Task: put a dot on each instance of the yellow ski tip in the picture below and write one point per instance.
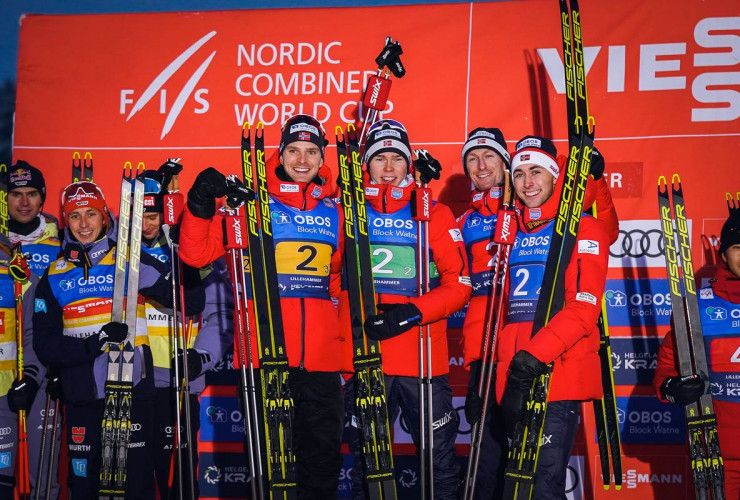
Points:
(676, 179)
(617, 487)
(351, 127)
(662, 181)
(338, 130)
(246, 125)
(76, 155)
(140, 167)
(88, 155)
(260, 126)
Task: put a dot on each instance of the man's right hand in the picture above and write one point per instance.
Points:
(683, 390)
(208, 185)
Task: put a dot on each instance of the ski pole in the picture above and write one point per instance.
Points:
(379, 85)
(504, 236)
(50, 466)
(19, 270)
(173, 198)
(422, 205)
(42, 451)
(235, 244)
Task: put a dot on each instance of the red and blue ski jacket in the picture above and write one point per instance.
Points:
(393, 236)
(313, 340)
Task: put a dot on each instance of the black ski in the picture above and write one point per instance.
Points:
(706, 460)
(370, 401)
(82, 169)
(524, 449)
(277, 402)
(116, 425)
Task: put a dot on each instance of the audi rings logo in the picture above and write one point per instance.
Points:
(135, 427)
(638, 243)
(5, 431)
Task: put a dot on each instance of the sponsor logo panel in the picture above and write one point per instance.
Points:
(639, 244)
(221, 419)
(634, 359)
(223, 475)
(638, 302)
(646, 420)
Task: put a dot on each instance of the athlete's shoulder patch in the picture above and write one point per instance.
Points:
(586, 297)
(465, 280)
(588, 246)
(456, 235)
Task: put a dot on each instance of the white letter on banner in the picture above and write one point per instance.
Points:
(554, 65)
(650, 66)
(704, 38)
(701, 92)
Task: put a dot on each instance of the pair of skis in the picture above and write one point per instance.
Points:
(524, 449)
(82, 167)
(116, 425)
(277, 402)
(504, 236)
(370, 399)
(706, 460)
(179, 340)
(19, 272)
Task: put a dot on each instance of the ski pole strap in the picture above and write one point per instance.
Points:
(18, 267)
(234, 225)
(421, 204)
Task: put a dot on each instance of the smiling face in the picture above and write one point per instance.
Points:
(533, 184)
(388, 168)
(485, 168)
(301, 160)
(24, 204)
(85, 224)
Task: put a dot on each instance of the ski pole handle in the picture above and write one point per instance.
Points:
(235, 224)
(376, 92)
(173, 207)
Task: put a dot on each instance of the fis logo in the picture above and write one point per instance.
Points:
(157, 86)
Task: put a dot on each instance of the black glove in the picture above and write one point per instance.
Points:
(114, 332)
(169, 169)
(683, 390)
(597, 164)
(209, 185)
(523, 370)
(195, 362)
(473, 402)
(54, 386)
(394, 319)
(21, 394)
(236, 192)
(427, 166)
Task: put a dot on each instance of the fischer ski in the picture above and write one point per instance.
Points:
(504, 236)
(277, 401)
(82, 169)
(706, 460)
(370, 398)
(524, 448)
(116, 425)
(733, 204)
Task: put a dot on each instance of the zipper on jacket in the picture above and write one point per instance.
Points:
(303, 333)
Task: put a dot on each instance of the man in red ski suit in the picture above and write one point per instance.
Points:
(389, 184)
(301, 189)
(571, 339)
(484, 159)
(719, 306)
